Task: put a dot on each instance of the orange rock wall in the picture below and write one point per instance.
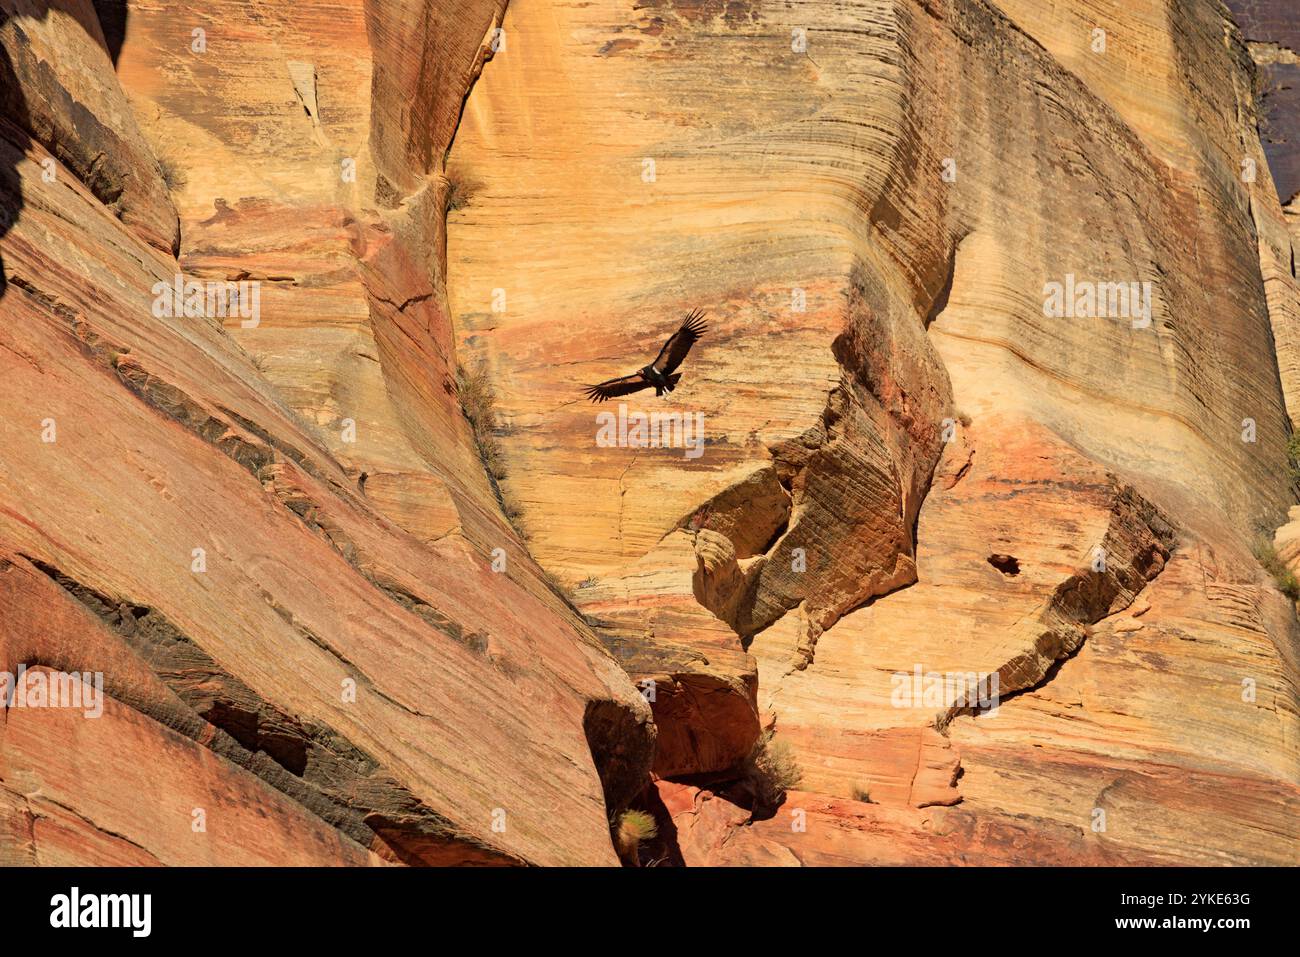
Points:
(328, 634)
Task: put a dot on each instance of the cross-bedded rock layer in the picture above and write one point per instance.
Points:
(910, 463)
(313, 592)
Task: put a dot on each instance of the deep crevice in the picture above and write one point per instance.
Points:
(310, 763)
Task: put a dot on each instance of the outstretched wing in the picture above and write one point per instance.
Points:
(616, 387)
(675, 349)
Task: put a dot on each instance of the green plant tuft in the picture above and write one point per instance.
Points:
(1272, 563)
(633, 828)
(1293, 457)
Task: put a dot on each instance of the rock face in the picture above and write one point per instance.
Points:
(1272, 32)
(56, 86)
(872, 201)
(312, 673)
(963, 500)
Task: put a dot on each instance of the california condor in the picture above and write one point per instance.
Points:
(662, 373)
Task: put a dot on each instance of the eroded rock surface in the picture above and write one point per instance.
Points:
(186, 500)
(313, 591)
(976, 486)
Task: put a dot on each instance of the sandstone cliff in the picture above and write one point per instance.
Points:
(275, 542)
(347, 614)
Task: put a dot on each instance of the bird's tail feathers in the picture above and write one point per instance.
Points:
(672, 384)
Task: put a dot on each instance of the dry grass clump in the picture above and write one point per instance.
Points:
(173, 176)
(771, 770)
(460, 190)
(1283, 577)
(635, 827)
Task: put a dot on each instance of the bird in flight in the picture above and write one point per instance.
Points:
(662, 373)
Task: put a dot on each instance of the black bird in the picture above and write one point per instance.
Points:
(662, 373)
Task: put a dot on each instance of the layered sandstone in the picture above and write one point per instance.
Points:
(274, 538)
(976, 487)
(332, 634)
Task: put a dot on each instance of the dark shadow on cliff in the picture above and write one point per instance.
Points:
(112, 21)
(15, 116)
(14, 140)
(664, 849)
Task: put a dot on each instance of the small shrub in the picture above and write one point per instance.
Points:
(1293, 457)
(633, 828)
(637, 826)
(460, 190)
(510, 508)
(1264, 94)
(964, 419)
(557, 587)
(700, 518)
(1283, 577)
(478, 402)
(771, 770)
(173, 176)
(862, 794)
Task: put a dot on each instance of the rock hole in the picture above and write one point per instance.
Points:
(1007, 564)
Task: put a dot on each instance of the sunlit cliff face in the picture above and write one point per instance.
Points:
(963, 534)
